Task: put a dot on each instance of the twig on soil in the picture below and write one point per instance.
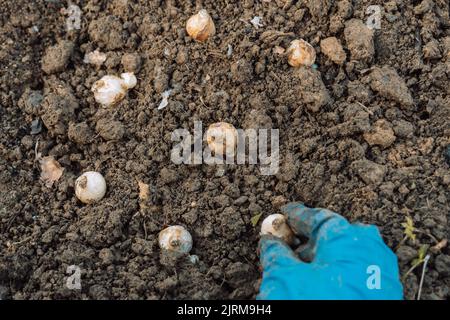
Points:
(365, 108)
(216, 53)
(166, 219)
(223, 281)
(425, 262)
(414, 266)
(36, 146)
(287, 4)
(10, 221)
(145, 229)
(201, 100)
(364, 71)
(21, 241)
(242, 20)
(429, 235)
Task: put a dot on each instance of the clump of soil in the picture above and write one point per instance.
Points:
(365, 132)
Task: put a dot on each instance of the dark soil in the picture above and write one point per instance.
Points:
(367, 137)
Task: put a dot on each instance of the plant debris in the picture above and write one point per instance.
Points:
(165, 99)
(255, 219)
(51, 170)
(256, 22)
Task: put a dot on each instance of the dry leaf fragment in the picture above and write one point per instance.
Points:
(255, 219)
(439, 246)
(51, 170)
(144, 190)
(279, 50)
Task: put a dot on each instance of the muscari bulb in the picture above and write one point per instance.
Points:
(276, 225)
(222, 138)
(301, 53)
(200, 26)
(90, 187)
(175, 238)
(109, 90)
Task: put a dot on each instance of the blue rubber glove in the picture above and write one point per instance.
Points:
(345, 261)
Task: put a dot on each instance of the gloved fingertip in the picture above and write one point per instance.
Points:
(292, 207)
(275, 252)
(266, 240)
(306, 252)
(304, 221)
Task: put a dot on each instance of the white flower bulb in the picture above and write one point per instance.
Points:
(200, 26)
(129, 79)
(175, 238)
(301, 53)
(90, 187)
(276, 225)
(110, 90)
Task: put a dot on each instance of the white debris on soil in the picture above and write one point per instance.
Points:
(194, 259)
(73, 21)
(95, 58)
(256, 22)
(166, 52)
(229, 51)
(165, 96)
(36, 126)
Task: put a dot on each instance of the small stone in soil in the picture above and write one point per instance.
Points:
(110, 129)
(359, 40)
(447, 154)
(131, 62)
(381, 134)
(390, 85)
(30, 101)
(370, 172)
(36, 126)
(57, 57)
(332, 48)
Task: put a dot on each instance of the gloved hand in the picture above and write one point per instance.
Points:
(346, 261)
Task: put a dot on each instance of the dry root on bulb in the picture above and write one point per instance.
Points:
(110, 90)
(222, 138)
(276, 225)
(90, 187)
(175, 238)
(200, 26)
(301, 53)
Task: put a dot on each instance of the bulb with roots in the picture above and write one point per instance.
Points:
(276, 225)
(175, 238)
